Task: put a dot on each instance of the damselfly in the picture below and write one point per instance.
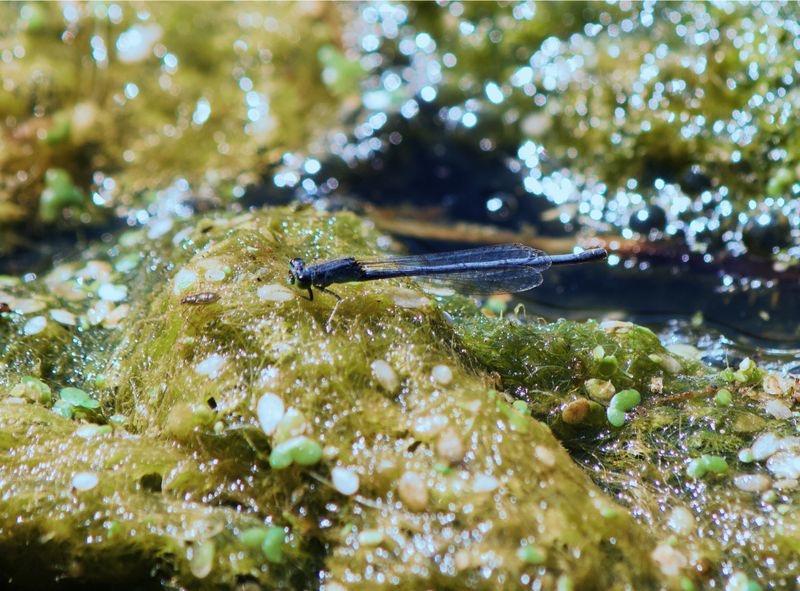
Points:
(490, 269)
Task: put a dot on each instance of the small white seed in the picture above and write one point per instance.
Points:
(345, 481)
(270, 411)
(449, 447)
(442, 374)
(413, 491)
(385, 375)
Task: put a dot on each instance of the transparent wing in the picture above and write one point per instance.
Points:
(502, 254)
(487, 282)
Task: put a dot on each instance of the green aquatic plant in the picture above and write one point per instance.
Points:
(259, 436)
(698, 455)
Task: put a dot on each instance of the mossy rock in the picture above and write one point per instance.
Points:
(463, 458)
(454, 490)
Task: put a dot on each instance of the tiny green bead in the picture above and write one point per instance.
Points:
(280, 457)
(607, 366)
(746, 456)
(598, 353)
(306, 452)
(57, 179)
(615, 416)
(695, 469)
(715, 464)
(698, 467)
(726, 375)
(273, 543)
(723, 397)
(626, 399)
(253, 537)
(531, 554)
(687, 584)
(496, 305)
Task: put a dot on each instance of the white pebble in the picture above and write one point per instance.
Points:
(484, 483)
(34, 326)
(385, 375)
(435, 290)
(681, 521)
(778, 409)
(442, 374)
(752, 482)
(26, 305)
(784, 464)
(63, 317)
(84, 480)
(274, 292)
(765, 445)
(545, 455)
(785, 484)
(345, 481)
(98, 312)
(406, 298)
(776, 385)
(183, 280)
(112, 293)
(670, 560)
(270, 411)
(211, 366)
(157, 227)
(215, 274)
(413, 491)
(684, 350)
(449, 447)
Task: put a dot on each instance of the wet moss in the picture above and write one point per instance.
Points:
(181, 384)
(718, 481)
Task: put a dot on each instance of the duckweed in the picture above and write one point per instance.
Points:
(298, 450)
(625, 400)
(78, 398)
(701, 466)
(273, 544)
(253, 537)
(430, 449)
(615, 416)
(723, 397)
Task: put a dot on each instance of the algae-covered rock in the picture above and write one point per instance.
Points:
(709, 460)
(242, 433)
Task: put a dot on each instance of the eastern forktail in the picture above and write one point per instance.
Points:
(490, 269)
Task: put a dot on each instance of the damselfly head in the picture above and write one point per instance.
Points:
(298, 273)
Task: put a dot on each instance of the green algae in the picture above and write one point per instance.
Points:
(461, 481)
(697, 457)
(185, 501)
